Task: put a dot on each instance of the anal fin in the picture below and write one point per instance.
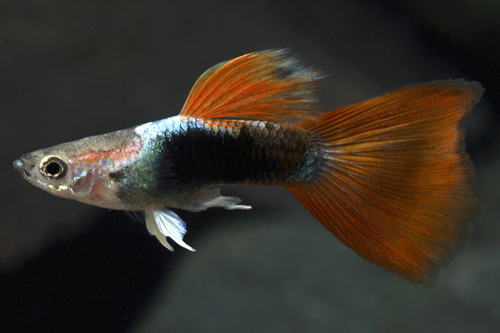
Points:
(165, 223)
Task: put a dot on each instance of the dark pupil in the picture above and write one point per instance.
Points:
(53, 168)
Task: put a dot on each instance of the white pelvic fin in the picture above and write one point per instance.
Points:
(165, 223)
(210, 197)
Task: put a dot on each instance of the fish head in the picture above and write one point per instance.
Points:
(80, 169)
(57, 172)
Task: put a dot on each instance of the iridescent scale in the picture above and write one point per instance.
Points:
(191, 152)
(242, 152)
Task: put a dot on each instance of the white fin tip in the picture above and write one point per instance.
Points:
(165, 223)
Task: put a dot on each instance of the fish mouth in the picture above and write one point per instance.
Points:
(19, 166)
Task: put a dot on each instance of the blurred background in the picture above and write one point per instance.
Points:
(70, 69)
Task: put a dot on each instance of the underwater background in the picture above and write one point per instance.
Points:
(73, 69)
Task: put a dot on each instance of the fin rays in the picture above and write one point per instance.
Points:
(165, 223)
(267, 85)
(395, 184)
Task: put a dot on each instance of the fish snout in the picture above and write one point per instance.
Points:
(17, 164)
(21, 167)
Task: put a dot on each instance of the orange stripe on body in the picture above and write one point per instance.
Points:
(118, 156)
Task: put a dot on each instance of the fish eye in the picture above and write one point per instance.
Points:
(53, 167)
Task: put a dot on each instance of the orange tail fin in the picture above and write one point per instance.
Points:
(396, 184)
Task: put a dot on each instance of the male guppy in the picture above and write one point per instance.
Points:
(389, 176)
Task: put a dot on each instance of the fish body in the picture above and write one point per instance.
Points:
(389, 176)
(181, 155)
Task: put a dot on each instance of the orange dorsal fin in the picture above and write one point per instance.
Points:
(395, 184)
(267, 85)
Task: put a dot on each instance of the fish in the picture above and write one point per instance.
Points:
(389, 177)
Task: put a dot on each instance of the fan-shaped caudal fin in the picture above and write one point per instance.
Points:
(395, 184)
(268, 85)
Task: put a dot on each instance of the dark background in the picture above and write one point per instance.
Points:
(70, 69)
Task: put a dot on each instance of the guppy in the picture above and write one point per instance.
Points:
(388, 176)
